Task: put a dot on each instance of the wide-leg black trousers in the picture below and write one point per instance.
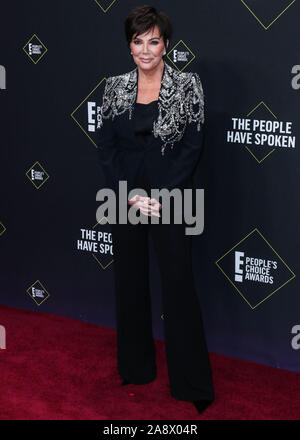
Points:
(189, 369)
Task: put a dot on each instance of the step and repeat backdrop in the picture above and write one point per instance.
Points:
(55, 257)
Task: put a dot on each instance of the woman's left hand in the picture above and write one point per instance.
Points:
(151, 207)
(146, 205)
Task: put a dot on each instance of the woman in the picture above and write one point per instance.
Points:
(150, 136)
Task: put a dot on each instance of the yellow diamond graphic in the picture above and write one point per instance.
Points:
(36, 292)
(31, 171)
(2, 228)
(79, 115)
(266, 27)
(34, 41)
(104, 221)
(253, 297)
(105, 4)
(173, 48)
(253, 110)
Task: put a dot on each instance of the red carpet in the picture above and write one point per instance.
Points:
(59, 368)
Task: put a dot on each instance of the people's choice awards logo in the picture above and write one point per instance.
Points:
(35, 49)
(180, 55)
(37, 175)
(38, 292)
(87, 113)
(255, 269)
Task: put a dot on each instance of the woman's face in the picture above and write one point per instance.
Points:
(147, 49)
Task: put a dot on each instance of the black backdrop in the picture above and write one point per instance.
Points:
(54, 58)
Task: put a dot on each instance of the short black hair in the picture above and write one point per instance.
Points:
(143, 18)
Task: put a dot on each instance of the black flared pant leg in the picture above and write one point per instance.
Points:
(189, 368)
(135, 343)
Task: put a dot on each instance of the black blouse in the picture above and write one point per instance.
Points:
(143, 118)
(144, 115)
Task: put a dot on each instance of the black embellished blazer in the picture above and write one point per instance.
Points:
(170, 158)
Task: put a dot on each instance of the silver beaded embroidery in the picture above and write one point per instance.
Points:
(180, 101)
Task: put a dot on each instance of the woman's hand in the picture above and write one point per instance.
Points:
(146, 205)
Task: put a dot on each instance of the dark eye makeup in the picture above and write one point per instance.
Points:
(152, 42)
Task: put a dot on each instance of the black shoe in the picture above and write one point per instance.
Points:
(201, 405)
(125, 382)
